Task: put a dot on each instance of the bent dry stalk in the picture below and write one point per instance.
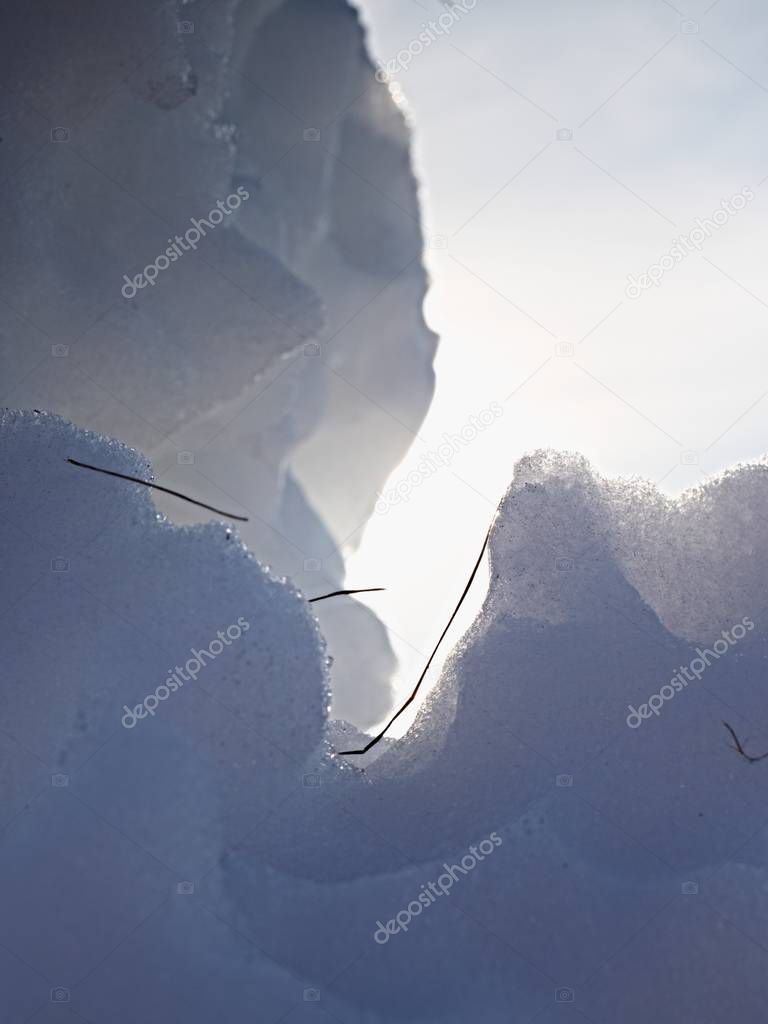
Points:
(346, 593)
(158, 487)
(751, 758)
(380, 735)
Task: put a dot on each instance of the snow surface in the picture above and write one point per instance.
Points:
(216, 862)
(212, 360)
(294, 855)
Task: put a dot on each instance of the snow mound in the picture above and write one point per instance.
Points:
(611, 824)
(526, 845)
(241, 161)
(161, 693)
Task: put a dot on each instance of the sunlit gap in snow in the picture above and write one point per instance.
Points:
(434, 510)
(530, 242)
(424, 537)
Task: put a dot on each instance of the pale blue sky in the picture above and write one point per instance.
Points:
(667, 106)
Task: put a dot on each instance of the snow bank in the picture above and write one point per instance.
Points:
(106, 816)
(520, 849)
(266, 353)
(622, 847)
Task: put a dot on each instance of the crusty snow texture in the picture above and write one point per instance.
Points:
(255, 368)
(216, 863)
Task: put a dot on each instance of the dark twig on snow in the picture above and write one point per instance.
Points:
(380, 735)
(343, 593)
(740, 750)
(157, 487)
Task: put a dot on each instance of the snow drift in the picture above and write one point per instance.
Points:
(216, 860)
(255, 367)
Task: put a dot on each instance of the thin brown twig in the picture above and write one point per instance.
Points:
(380, 735)
(343, 593)
(740, 749)
(157, 487)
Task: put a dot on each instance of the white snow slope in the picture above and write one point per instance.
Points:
(255, 367)
(521, 855)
